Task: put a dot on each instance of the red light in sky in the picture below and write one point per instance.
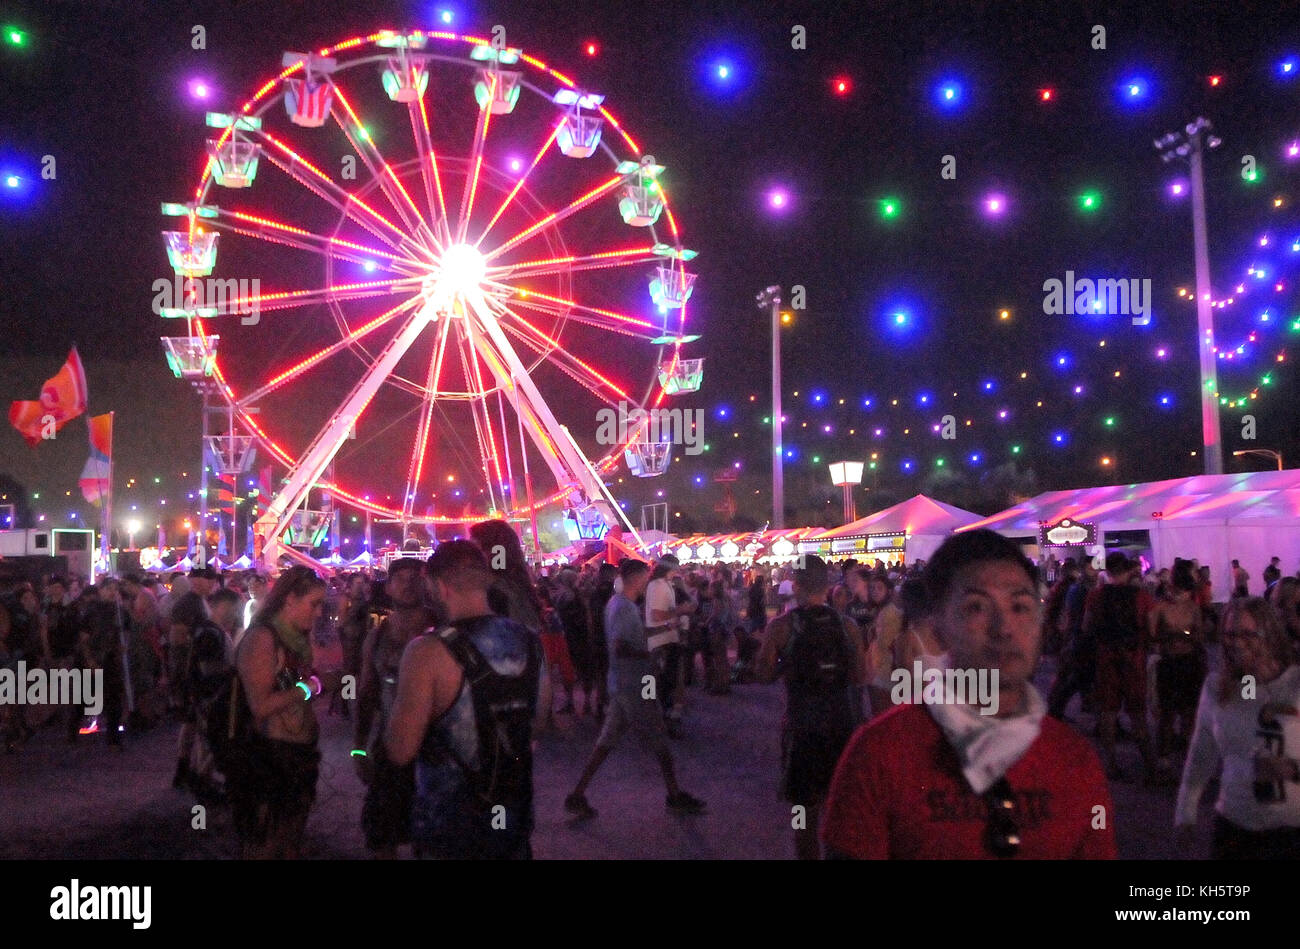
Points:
(1215, 80)
(1046, 95)
(842, 85)
(592, 49)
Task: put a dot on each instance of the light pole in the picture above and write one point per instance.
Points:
(132, 528)
(1190, 143)
(847, 475)
(1266, 452)
(771, 297)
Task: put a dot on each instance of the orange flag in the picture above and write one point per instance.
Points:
(63, 398)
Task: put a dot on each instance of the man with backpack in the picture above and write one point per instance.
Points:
(1115, 617)
(819, 654)
(464, 712)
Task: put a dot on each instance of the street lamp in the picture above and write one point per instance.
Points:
(132, 528)
(1189, 143)
(847, 475)
(1266, 452)
(771, 298)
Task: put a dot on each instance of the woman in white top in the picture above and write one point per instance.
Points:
(1247, 722)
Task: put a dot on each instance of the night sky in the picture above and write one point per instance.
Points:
(101, 86)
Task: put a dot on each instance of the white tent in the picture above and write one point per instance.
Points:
(1214, 519)
(918, 526)
(363, 559)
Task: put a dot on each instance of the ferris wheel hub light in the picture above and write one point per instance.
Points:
(462, 268)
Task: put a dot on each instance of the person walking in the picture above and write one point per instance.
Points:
(633, 703)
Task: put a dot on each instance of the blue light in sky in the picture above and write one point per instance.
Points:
(1135, 90)
(949, 94)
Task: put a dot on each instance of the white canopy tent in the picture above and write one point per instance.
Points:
(921, 524)
(1214, 519)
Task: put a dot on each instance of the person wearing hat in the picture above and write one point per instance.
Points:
(1115, 615)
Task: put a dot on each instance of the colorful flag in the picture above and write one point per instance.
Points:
(94, 476)
(308, 103)
(63, 398)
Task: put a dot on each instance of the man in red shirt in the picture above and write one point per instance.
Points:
(945, 779)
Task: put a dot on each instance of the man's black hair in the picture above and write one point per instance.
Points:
(631, 567)
(811, 576)
(460, 562)
(963, 550)
(406, 563)
(222, 595)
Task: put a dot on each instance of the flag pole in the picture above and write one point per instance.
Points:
(123, 632)
(105, 540)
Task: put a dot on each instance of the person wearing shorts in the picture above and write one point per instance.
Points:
(633, 704)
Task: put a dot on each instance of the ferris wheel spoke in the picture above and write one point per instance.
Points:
(545, 351)
(477, 403)
(289, 299)
(318, 357)
(482, 404)
(475, 165)
(578, 203)
(416, 467)
(532, 297)
(513, 193)
(385, 177)
(551, 348)
(276, 233)
(321, 185)
(429, 172)
(647, 336)
(556, 265)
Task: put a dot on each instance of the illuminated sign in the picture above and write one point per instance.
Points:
(1067, 533)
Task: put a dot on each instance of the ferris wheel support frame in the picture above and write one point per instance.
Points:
(565, 460)
(275, 519)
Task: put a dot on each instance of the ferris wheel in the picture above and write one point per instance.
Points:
(433, 283)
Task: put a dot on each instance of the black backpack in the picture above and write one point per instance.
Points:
(1115, 618)
(227, 720)
(504, 707)
(816, 660)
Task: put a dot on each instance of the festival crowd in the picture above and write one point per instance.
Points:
(452, 665)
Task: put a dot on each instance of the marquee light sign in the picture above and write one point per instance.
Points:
(1067, 533)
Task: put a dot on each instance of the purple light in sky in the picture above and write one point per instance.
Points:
(995, 205)
(199, 89)
(778, 199)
